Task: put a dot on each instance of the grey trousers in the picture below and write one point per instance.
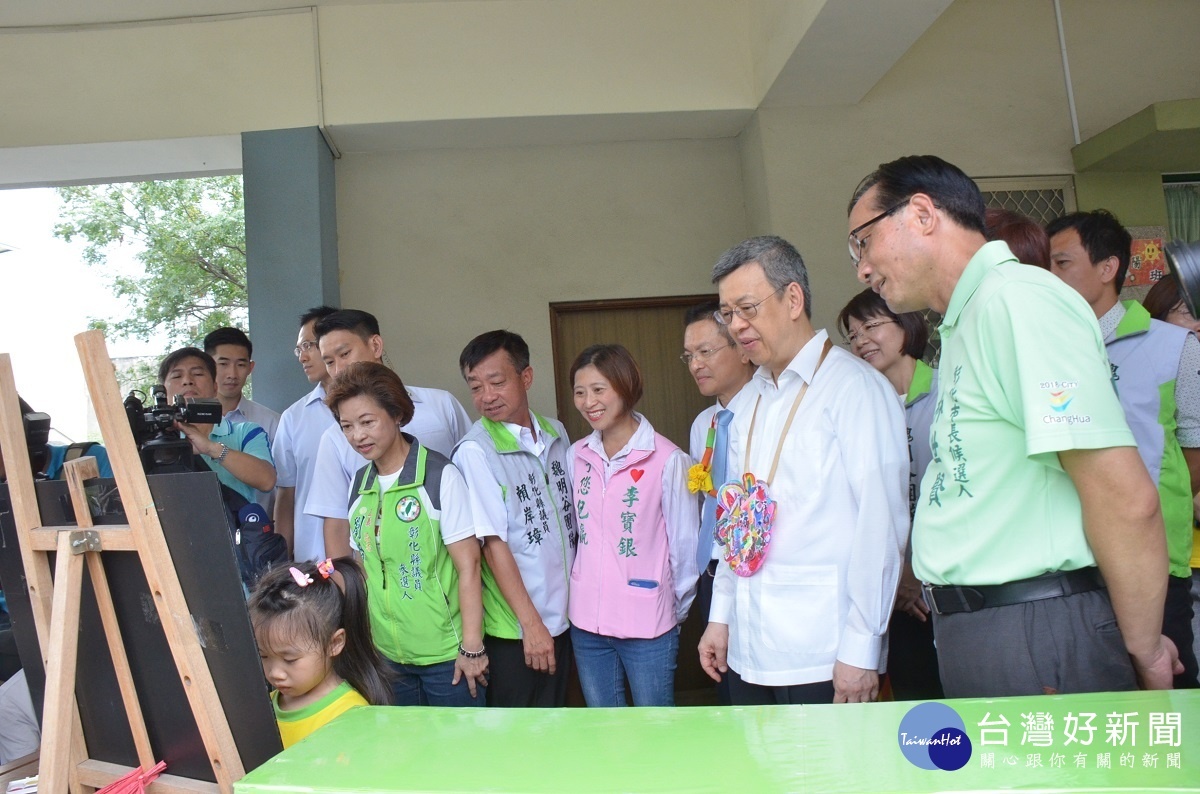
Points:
(1059, 645)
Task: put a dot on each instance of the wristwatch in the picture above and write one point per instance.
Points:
(224, 452)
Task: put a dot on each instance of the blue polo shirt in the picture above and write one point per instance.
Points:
(244, 437)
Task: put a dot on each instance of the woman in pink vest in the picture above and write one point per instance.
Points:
(634, 575)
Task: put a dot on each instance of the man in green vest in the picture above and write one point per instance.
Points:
(1156, 371)
(515, 464)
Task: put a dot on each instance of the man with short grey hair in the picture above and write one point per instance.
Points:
(800, 610)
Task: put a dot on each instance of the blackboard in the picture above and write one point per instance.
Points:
(193, 521)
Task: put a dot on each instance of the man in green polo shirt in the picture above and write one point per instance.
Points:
(1036, 487)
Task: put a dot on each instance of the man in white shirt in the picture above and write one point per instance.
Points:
(515, 463)
(295, 444)
(721, 369)
(438, 422)
(826, 433)
(232, 350)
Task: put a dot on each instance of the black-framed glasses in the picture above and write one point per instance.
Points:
(865, 328)
(703, 354)
(747, 311)
(856, 243)
(303, 347)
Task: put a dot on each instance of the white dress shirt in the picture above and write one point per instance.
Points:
(826, 588)
(438, 422)
(249, 411)
(295, 451)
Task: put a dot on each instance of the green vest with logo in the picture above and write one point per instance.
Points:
(412, 585)
(1144, 355)
(541, 524)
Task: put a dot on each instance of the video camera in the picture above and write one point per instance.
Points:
(159, 444)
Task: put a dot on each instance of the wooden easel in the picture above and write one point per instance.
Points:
(64, 761)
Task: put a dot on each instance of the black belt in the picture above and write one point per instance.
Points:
(948, 599)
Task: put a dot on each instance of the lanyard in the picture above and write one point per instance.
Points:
(787, 425)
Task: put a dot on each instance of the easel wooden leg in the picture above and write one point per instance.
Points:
(77, 472)
(58, 711)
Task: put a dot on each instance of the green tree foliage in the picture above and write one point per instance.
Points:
(191, 239)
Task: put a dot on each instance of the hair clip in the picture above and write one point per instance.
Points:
(302, 579)
(325, 568)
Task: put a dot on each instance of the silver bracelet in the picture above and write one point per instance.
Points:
(224, 452)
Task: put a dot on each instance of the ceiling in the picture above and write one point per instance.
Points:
(789, 53)
(40, 13)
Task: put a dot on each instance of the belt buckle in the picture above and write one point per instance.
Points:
(930, 601)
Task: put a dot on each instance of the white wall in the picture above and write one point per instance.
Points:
(444, 245)
(983, 88)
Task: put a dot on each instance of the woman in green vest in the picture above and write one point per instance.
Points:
(410, 521)
(893, 344)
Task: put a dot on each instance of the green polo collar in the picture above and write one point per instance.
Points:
(985, 259)
(922, 382)
(1135, 321)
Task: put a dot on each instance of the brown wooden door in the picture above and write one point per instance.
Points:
(652, 330)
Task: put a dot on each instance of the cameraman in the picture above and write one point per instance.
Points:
(238, 452)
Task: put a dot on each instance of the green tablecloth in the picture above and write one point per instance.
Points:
(1141, 741)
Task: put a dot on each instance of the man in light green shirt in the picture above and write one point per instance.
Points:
(1036, 487)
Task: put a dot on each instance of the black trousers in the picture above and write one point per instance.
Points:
(701, 606)
(746, 694)
(513, 684)
(1177, 624)
(912, 659)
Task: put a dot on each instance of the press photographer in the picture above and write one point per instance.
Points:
(239, 452)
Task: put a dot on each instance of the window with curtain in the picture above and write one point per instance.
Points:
(1183, 211)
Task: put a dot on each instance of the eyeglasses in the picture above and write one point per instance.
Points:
(747, 311)
(853, 336)
(303, 347)
(702, 355)
(858, 244)
(1180, 310)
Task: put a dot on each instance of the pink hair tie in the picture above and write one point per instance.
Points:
(325, 568)
(302, 579)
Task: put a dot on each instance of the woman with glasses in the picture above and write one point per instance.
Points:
(893, 344)
(634, 574)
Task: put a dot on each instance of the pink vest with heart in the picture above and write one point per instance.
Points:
(621, 583)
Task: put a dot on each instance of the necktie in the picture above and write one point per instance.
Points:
(708, 519)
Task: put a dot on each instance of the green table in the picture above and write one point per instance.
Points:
(1150, 741)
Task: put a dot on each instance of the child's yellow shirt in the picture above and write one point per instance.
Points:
(295, 725)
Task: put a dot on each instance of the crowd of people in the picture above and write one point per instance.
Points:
(1017, 521)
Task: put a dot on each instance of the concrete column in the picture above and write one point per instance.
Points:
(291, 250)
